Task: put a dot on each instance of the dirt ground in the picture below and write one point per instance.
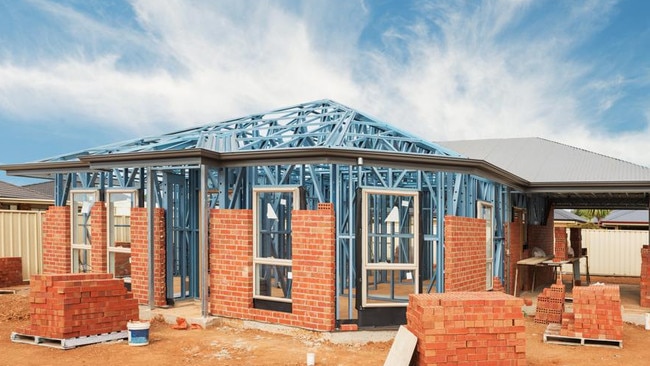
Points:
(233, 346)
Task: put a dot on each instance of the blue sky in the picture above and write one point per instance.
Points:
(78, 73)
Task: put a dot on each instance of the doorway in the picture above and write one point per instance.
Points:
(388, 255)
(182, 227)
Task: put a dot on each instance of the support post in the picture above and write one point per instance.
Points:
(151, 203)
(203, 241)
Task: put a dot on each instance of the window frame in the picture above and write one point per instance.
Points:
(111, 249)
(258, 260)
(86, 245)
(481, 206)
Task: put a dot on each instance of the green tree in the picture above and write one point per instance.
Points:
(590, 214)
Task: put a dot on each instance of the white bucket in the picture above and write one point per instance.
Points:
(138, 333)
(647, 321)
(311, 359)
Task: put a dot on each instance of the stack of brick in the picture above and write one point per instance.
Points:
(596, 313)
(11, 271)
(497, 285)
(467, 328)
(645, 277)
(76, 305)
(550, 304)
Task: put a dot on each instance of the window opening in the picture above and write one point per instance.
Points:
(272, 244)
(82, 203)
(120, 203)
(390, 247)
(485, 211)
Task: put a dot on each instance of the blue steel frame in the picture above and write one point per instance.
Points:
(320, 124)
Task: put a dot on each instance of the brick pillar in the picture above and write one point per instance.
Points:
(465, 254)
(140, 256)
(560, 245)
(231, 262)
(542, 236)
(644, 285)
(516, 247)
(56, 240)
(98, 237)
(314, 240)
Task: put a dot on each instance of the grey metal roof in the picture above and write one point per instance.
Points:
(568, 176)
(538, 160)
(564, 215)
(626, 216)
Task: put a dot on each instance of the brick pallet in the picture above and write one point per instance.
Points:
(478, 328)
(596, 319)
(553, 332)
(596, 314)
(77, 305)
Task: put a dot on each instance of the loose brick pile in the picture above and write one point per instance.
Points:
(11, 271)
(497, 285)
(550, 304)
(477, 328)
(596, 313)
(645, 277)
(75, 305)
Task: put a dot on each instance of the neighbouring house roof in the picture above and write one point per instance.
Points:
(625, 217)
(46, 188)
(571, 177)
(564, 215)
(11, 194)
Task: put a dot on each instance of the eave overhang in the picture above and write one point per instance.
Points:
(196, 157)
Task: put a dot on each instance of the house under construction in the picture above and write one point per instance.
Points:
(317, 215)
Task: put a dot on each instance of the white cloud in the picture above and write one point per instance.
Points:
(479, 70)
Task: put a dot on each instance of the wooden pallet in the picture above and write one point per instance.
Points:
(67, 343)
(552, 335)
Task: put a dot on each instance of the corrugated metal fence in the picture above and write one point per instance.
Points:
(21, 236)
(613, 252)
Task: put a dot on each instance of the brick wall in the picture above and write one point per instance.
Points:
(140, 256)
(56, 240)
(575, 233)
(644, 284)
(464, 254)
(76, 305)
(231, 268)
(596, 313)
(542, 236)
(11, 271)
(231, 262)
(98, 237)
(467, 328)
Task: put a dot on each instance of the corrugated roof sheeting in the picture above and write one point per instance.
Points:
(543, 161)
